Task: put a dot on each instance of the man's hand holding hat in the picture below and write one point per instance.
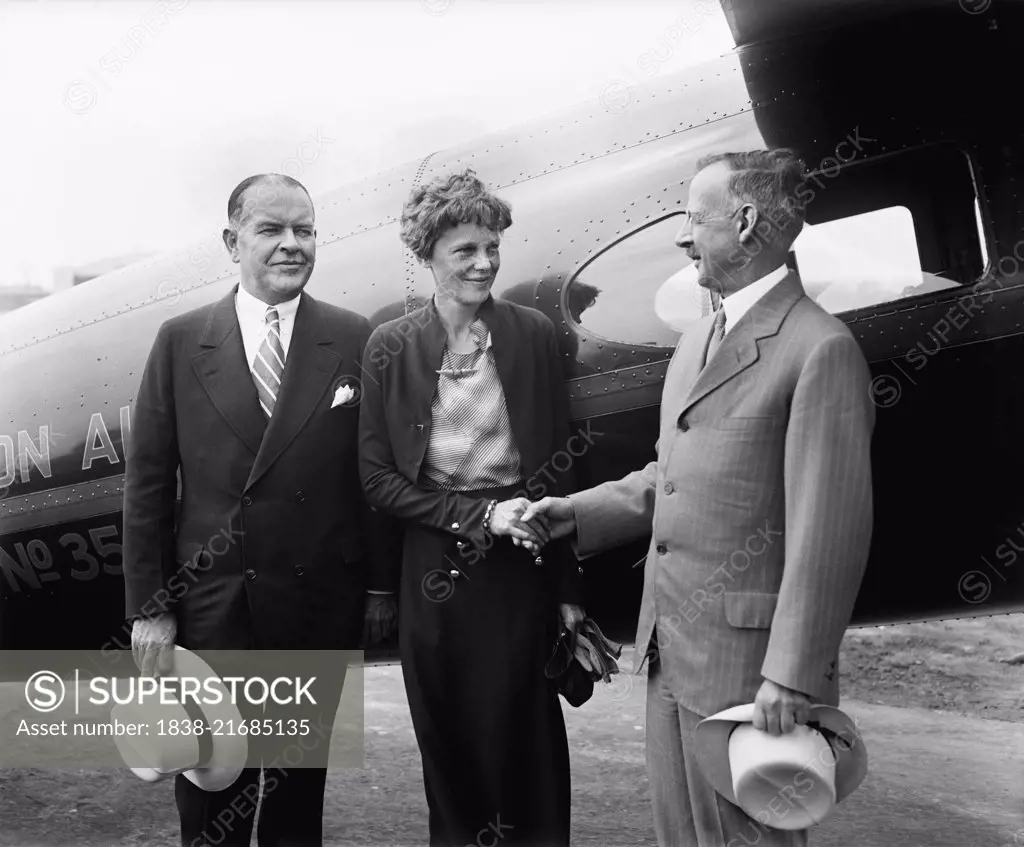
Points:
(806, 771)
(778, 709)
(153, 643)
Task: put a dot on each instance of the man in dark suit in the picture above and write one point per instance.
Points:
(253, 401)
(760, 499)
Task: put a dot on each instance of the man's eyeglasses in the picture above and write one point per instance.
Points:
(703, 218)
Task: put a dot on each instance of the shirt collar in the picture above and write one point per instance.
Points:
(481, 334)
(738, 303)
(255, 310)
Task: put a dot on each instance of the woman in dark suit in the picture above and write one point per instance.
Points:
(464, 404)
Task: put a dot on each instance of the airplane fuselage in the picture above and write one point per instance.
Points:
(597, 194)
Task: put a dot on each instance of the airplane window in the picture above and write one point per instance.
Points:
(891, 229)
(863, 260)
(877, 232)
(638, 291)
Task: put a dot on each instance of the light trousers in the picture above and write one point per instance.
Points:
(688, 812)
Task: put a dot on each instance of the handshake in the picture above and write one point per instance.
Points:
(532, 525)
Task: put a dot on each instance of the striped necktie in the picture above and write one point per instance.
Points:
(717, 334)
(268, 367)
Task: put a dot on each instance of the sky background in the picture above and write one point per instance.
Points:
(127, 124)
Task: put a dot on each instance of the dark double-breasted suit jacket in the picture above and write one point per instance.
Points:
(273, 544)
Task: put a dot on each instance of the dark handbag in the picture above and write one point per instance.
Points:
(574, 682)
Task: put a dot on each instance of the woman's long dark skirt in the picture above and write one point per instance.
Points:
(488, 723)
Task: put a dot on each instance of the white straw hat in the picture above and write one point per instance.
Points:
(788, 781)
(212, 760)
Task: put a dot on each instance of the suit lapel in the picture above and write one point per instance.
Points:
(424, 360)
(740, 349)
(223, 372)
(518, 406)
(309, 366)
(685, 367)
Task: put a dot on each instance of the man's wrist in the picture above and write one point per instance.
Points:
(155, 616)
(787, 688)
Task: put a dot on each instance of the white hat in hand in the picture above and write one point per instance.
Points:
(789, 781)
(210, 761)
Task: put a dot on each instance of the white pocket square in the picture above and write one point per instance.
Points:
(343, 396)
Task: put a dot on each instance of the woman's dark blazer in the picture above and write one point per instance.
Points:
(400, 364)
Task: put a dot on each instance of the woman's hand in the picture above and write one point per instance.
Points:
(505, 521)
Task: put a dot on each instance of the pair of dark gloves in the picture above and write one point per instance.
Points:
(580, 659)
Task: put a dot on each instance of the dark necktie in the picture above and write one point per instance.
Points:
(268, 368)
(716, 335)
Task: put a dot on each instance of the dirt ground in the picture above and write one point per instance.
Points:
(952, 666)
(940, 713)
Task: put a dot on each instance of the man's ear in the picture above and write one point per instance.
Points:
(230, 236)
(748, 221)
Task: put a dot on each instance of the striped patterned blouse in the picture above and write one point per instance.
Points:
(471, 444)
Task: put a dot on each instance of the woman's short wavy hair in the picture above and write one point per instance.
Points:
(445, 202)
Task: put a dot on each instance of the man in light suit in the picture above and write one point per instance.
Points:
(274, 547)
(760, 498)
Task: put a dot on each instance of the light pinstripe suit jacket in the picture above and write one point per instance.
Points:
(760, 502)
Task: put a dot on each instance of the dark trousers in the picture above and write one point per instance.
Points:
(291, 812)
(488, 722)
(294, 770)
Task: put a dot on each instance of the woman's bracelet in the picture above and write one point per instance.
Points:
(487, 515)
